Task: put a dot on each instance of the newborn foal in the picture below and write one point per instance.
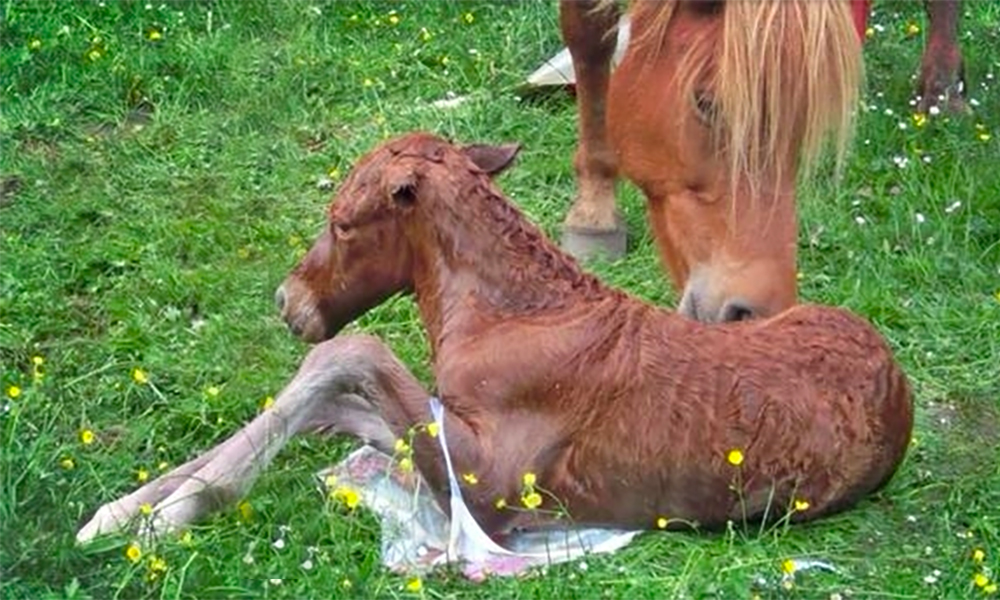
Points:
(624, 412)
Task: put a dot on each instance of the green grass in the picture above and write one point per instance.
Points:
(164, 189)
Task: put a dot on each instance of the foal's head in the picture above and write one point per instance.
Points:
(365, 254)
(715, 112)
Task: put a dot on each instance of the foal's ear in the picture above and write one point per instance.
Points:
(492, 159)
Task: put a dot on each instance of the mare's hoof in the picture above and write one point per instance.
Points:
(585, 243)
(954, 104)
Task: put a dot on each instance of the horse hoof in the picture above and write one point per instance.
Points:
(113, 517)
(587, 243)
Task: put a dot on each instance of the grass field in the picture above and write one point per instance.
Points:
(160, 166)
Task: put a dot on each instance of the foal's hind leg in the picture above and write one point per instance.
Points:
(593, 224)
(942, 73)
(337, 388)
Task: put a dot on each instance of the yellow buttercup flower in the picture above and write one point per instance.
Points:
(981, 580)
(14, 391)
(142, 475)
(67, 463)
(146, 509)
(529, 479)
(414, 585)
(500, 504)
(432, 429)
(870, 32)
(139, 376)
(87, 437)
(531, 500)
(157, 564)
(212, 391)
(662, 522)
(406, 465)
(788, 566)
(267, 403)
(990, 589)
(735, 457)
(245, 510)
(35, 44)
(470, 478)
(468, 17)
(978, 556)
(401, 447)
(801, 505)
(37, 361)
(912, 29)
(133, 553)
(347, 495)
(919, 120)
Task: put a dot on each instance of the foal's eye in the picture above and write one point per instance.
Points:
(341, 231)
(704, 106)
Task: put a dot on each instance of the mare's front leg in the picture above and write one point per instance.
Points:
(593, 224)
(942, 72)
(339, 387)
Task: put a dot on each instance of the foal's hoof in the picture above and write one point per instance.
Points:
(113, 517)
(585, 243)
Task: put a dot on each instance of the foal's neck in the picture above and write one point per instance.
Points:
(478, 256)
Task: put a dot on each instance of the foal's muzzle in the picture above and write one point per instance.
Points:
(298, 310)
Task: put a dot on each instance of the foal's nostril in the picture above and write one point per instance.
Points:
(279, 298)
(737, 310)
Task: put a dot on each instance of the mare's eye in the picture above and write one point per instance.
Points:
(704, 106)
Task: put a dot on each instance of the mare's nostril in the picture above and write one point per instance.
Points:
(737, 310)
(279, 298)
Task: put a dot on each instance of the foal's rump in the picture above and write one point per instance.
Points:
(804, 414)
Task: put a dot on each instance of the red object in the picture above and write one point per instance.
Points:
(860, 10)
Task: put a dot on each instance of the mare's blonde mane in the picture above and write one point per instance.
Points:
(786, 80)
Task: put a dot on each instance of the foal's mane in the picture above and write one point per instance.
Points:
(492, 226)
(545, 263)
(787, 78)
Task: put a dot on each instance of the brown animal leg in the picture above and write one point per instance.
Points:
(350, 384)
(593, 225)
(942, 72)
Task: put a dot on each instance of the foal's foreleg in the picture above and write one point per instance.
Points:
(332, 391)
(592, 225)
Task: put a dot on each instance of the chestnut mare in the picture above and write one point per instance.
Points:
(624, 411)
(715, 110)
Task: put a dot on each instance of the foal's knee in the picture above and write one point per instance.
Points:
(347, 350)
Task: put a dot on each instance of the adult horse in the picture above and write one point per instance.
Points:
(623, 413)
(714, 111)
